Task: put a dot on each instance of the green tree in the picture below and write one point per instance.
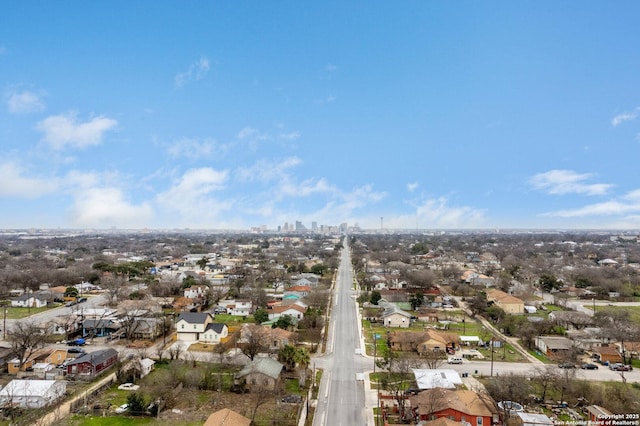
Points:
(202, 262)
(188, 281)
(319, 269)
(291, 357)
(71, 291)
(549, 282)
(375, 297)
(260, 315)
(137, 405)
(284, 322)
(416, 300)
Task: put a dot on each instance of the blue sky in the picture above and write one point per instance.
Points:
(431, 114)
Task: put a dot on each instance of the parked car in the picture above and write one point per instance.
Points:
(121, 409)
(76, 342)
(82, 299)
(618, 366)
(129, 386)
(76, 351)
(412, 391)
(589, 366)
(566, 365)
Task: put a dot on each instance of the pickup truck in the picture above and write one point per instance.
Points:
(76, 342)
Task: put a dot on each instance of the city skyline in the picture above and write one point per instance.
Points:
(417, 115)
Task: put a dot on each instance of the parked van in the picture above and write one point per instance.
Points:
(454, 360)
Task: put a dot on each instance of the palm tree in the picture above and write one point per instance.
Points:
(202, 263)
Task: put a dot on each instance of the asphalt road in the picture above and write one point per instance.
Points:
(341, 397)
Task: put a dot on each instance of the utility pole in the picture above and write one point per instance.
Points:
(492, 340)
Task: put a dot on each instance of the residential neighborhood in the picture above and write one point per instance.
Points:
(443, 327)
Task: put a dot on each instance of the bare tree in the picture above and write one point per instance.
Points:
(253, 340)
(433, 359)
(114, 287)
(26, 338)
(545, 376)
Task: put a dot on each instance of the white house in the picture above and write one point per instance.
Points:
(294, 311)
(237, 307)
(146, 366)
(214, 333)
(196, 291)
(191, 324)
(29, 300)
(32, 393)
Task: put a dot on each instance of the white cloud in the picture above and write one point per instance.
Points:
(291, 136)
(249, 133)
(412, 186)
(14, 183)
(192, 198)
(194, 149)
(104, 207)
(625, 116)
(267, 170)
(24, 102)
(559, 182)
(330, 68)
(627, 204)
(61, 131)
(436, 212)
(196, 71)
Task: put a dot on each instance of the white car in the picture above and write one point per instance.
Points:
(129, 386)
(121, 409)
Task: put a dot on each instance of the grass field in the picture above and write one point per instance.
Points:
(634, 311)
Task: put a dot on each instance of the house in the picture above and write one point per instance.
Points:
(556, 346)
(571, 320)
(238, 307)
(43, 369)
(260, 374)
(146, 366)
(435, 341)
(51, 356)
(428, 378)
(29, 300)
(279, 338)
(227, 417)
(214, 333)
(508, 303)
(394, 317)
(86, 287)
(597, 413)
(608, 354)
(298, 290)
(45, 356)
(294, 311)
(92, 364)
(191, 324)
(99, 327)
(196, 292)
(469, 407)
(148, 328)
(533, 419)
(32, 393)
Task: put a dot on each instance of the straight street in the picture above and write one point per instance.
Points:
(341, 397)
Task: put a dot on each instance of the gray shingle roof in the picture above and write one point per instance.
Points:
(193, 317)
(267, 366)
(96, 357)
